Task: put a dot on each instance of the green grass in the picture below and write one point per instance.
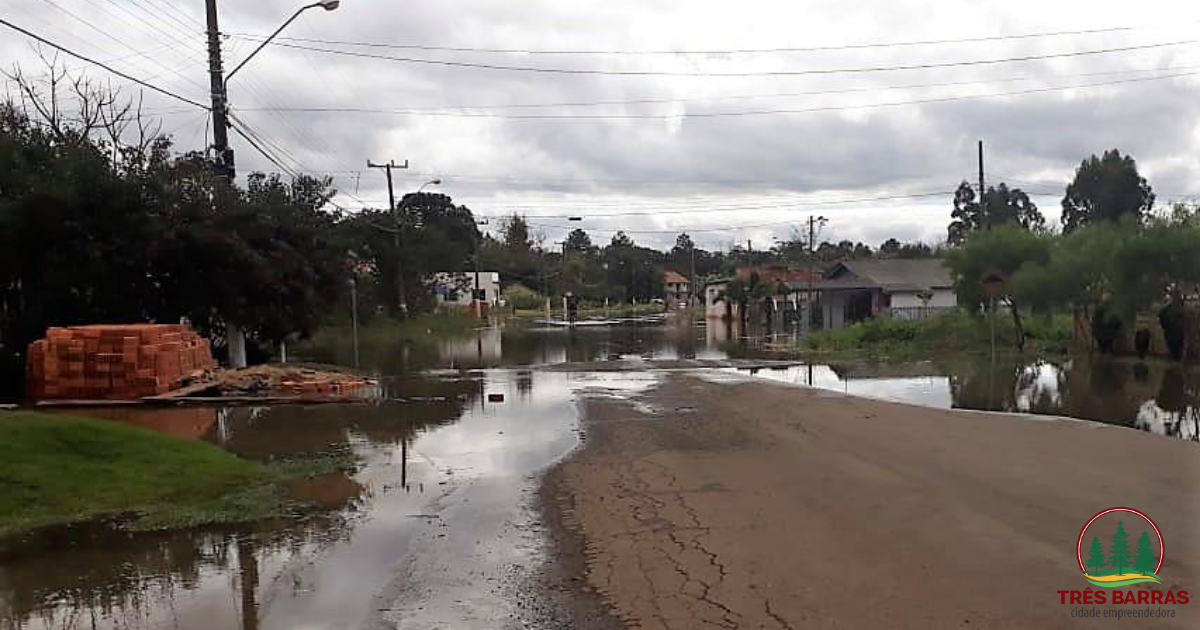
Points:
(388, 332)
(953, 333)
(58, 470)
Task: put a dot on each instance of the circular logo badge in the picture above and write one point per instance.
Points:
(1123, 561)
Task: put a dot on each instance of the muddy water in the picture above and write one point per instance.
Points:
(431, 530)
(1156, 397)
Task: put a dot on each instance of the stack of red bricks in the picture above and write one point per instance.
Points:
(114, 362)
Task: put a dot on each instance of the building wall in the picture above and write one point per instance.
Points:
(463, 282)
(942, 298)
(833, 305)
(714, 308)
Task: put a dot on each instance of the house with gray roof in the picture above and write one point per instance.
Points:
(858, 290)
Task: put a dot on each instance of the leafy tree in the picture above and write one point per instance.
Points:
(1144, 562)
(1106, 189)
(1002, 206)
(1003, 250)
(1119, 551)
(1096, 558)
(890, 248)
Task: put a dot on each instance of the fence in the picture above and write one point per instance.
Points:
(912, 313)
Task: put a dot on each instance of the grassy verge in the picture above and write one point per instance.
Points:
(954, 333)
(57, 470)
(385, 331)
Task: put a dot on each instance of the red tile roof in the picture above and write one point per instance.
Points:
(672, 277)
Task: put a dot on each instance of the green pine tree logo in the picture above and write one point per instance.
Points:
(1096, 558)
(1119, 552)
(1144, 562)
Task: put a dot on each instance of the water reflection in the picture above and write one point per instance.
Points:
(445, 446)
(532, 344)
(1155, 397)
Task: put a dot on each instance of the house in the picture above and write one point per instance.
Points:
(857, 290)
(780, 279)
(678, 291)
(453, 288)
(715, 305)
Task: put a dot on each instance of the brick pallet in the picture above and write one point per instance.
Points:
(114, 362)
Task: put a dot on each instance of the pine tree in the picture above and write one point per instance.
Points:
(1119, 552)
(1096, 558)
(1144, 561)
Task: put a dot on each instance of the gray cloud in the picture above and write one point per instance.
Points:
(589, 166)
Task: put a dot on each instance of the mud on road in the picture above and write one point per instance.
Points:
(755, 505)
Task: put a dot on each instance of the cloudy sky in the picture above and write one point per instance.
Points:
(732, 121)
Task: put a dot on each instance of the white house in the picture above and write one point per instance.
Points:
(453, 288)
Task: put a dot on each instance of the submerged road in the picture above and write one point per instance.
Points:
(735, 504)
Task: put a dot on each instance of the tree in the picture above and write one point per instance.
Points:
(1096, 558)
(578, 241)
(1002, 206)
(1119, 551)
(1144, 562)
(890, 248)
(1105, 189)
(515, 230)
(1004, 249)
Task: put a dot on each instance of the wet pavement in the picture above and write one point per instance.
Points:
(435, 527)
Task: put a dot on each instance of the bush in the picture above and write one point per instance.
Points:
(1141, 340)
(1173, 318)
(1106, 328)
(523, 298)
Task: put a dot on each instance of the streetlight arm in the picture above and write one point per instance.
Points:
(268, 40)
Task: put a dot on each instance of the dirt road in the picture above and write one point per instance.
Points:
(754, 505)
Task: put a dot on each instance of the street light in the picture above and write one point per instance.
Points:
(328, 5)
(432, 182)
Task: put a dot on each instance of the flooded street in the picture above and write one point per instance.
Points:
(433, 529)
(435, 526)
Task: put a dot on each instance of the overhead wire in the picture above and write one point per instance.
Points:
(119, 41)
(743, 113)
(748, 73)
(101, 64)
(726, 51)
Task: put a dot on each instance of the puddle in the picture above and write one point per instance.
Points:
(432, 530)
(1155, 397)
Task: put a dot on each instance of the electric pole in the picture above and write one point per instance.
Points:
(692, 288)
(987, 220)
(402, 306)
(812, 260)
(220, 111)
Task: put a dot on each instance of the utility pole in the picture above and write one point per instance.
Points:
(692, 288)
(402, 306)
(220, 110)
(987, 220)
(476, 299)
(235, 337)
(812, 260)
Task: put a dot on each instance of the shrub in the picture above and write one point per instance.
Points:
(524, 298)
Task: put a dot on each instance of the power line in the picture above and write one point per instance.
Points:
(771, 95)
(735, 113)
(780, 206)
(762, 73)
(728, 51)
(110, 36)
(102, 65)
